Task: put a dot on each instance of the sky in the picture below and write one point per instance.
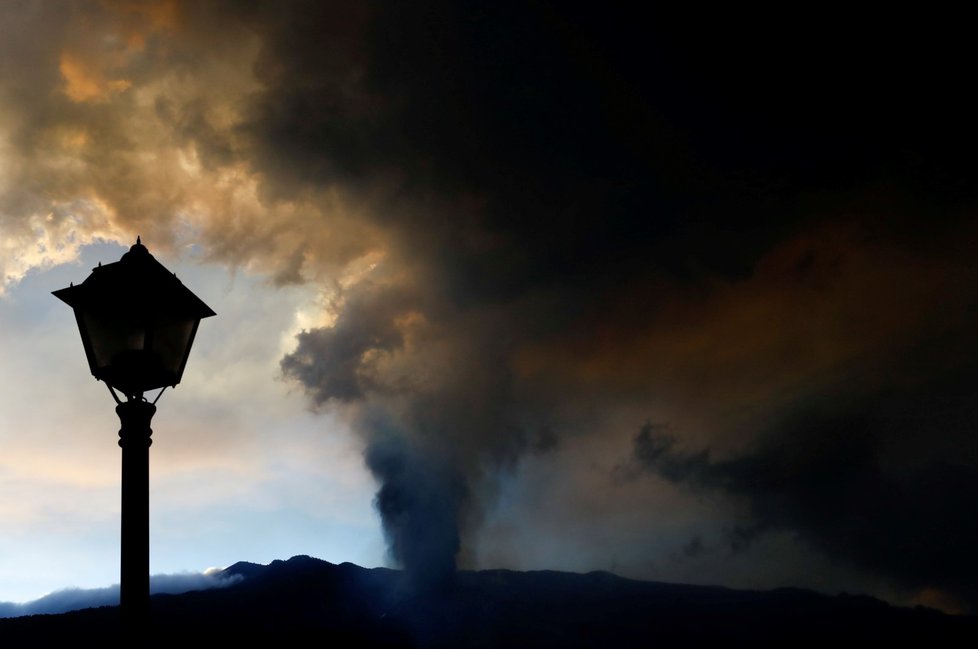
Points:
(682, 296)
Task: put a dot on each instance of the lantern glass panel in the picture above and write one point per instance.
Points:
(172, 342)
(111, 338)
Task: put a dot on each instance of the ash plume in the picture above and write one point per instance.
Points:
(434, 405)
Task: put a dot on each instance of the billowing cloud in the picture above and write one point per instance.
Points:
(133, 118)
(876, 481)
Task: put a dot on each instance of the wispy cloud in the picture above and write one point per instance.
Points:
(73, 599)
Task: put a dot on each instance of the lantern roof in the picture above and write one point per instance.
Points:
(137, 287)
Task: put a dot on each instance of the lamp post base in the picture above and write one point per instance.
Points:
(135, 440)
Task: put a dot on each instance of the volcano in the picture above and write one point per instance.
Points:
(305, 600)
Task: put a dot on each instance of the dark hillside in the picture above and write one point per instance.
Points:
(345, 605)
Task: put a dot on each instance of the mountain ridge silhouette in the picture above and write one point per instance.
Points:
(303, 597)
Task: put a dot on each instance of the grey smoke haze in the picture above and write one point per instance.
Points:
(73, 599)
(568, 242)
(433, 401)
(849, 474)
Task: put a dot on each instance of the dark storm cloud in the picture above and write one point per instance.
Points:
(883, 482)
(568, 194)
(562, 145)
(654, 449)
(334, 363)
(483, 114)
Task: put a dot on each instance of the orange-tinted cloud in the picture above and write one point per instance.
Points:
(839, 300)
(86, 83)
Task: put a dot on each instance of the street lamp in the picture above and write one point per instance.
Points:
(137, 323)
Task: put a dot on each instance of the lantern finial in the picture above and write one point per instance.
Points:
(139, 248)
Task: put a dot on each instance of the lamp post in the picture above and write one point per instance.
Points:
(137, 323)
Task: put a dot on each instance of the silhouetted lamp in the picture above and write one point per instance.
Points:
(137, 323)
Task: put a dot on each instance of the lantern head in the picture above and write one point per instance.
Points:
(137, 322)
